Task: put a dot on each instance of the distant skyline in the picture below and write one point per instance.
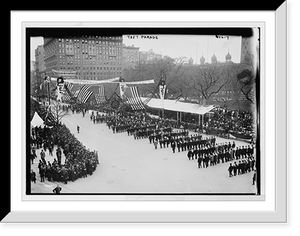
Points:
(188, 46)
(176, 46)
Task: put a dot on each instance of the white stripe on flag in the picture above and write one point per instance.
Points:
(100, 98)
(138, 99)
(130, 100)
(135, 99)
(84, 93)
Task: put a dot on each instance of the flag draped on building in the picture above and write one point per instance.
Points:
(132, 98)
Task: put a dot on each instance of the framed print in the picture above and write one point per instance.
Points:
(178, 109)
(149, 121)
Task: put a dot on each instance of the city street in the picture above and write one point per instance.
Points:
(134, 166)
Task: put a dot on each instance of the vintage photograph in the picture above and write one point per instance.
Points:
(143, 111)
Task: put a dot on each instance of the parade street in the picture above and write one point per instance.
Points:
(135, 166)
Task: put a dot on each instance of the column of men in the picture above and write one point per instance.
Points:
(97, 118)
(136, 124)
(210, 155)
(179, 139)
(165, 137)
(243, 166)
(203, 149)
(150, 131)
(120, 123)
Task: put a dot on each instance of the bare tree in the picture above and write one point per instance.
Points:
(167, 68)
(57, 112)
(230, 94)
(209, 81)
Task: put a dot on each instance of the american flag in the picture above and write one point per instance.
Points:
(133, 99)
(74, 89)
(147, 100)
(84, 93)
(76, 92)
(67, 92)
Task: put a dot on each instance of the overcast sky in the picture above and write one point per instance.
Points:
(178, 46)
(189, 46)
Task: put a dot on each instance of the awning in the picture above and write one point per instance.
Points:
(37, 120)
(174, 105)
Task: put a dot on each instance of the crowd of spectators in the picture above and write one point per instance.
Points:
(236, 122)
(79, 161)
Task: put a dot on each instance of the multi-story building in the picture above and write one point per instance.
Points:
(149, 56)
(39, 58)
(158, 56)
(130, 56)
(143, 57)
(39, 64)
(92, 57)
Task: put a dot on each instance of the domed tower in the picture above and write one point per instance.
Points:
(191, 61)
(228, 57)
(214, 59)
(202, 60)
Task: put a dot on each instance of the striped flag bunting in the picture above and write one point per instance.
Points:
(147, 100)
(84, 93)
(75, 89)
(87, 92)
(76, 93)
(133, 99)
(100, 97)
(67, 92)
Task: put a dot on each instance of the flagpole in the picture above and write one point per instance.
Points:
(48, 88)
